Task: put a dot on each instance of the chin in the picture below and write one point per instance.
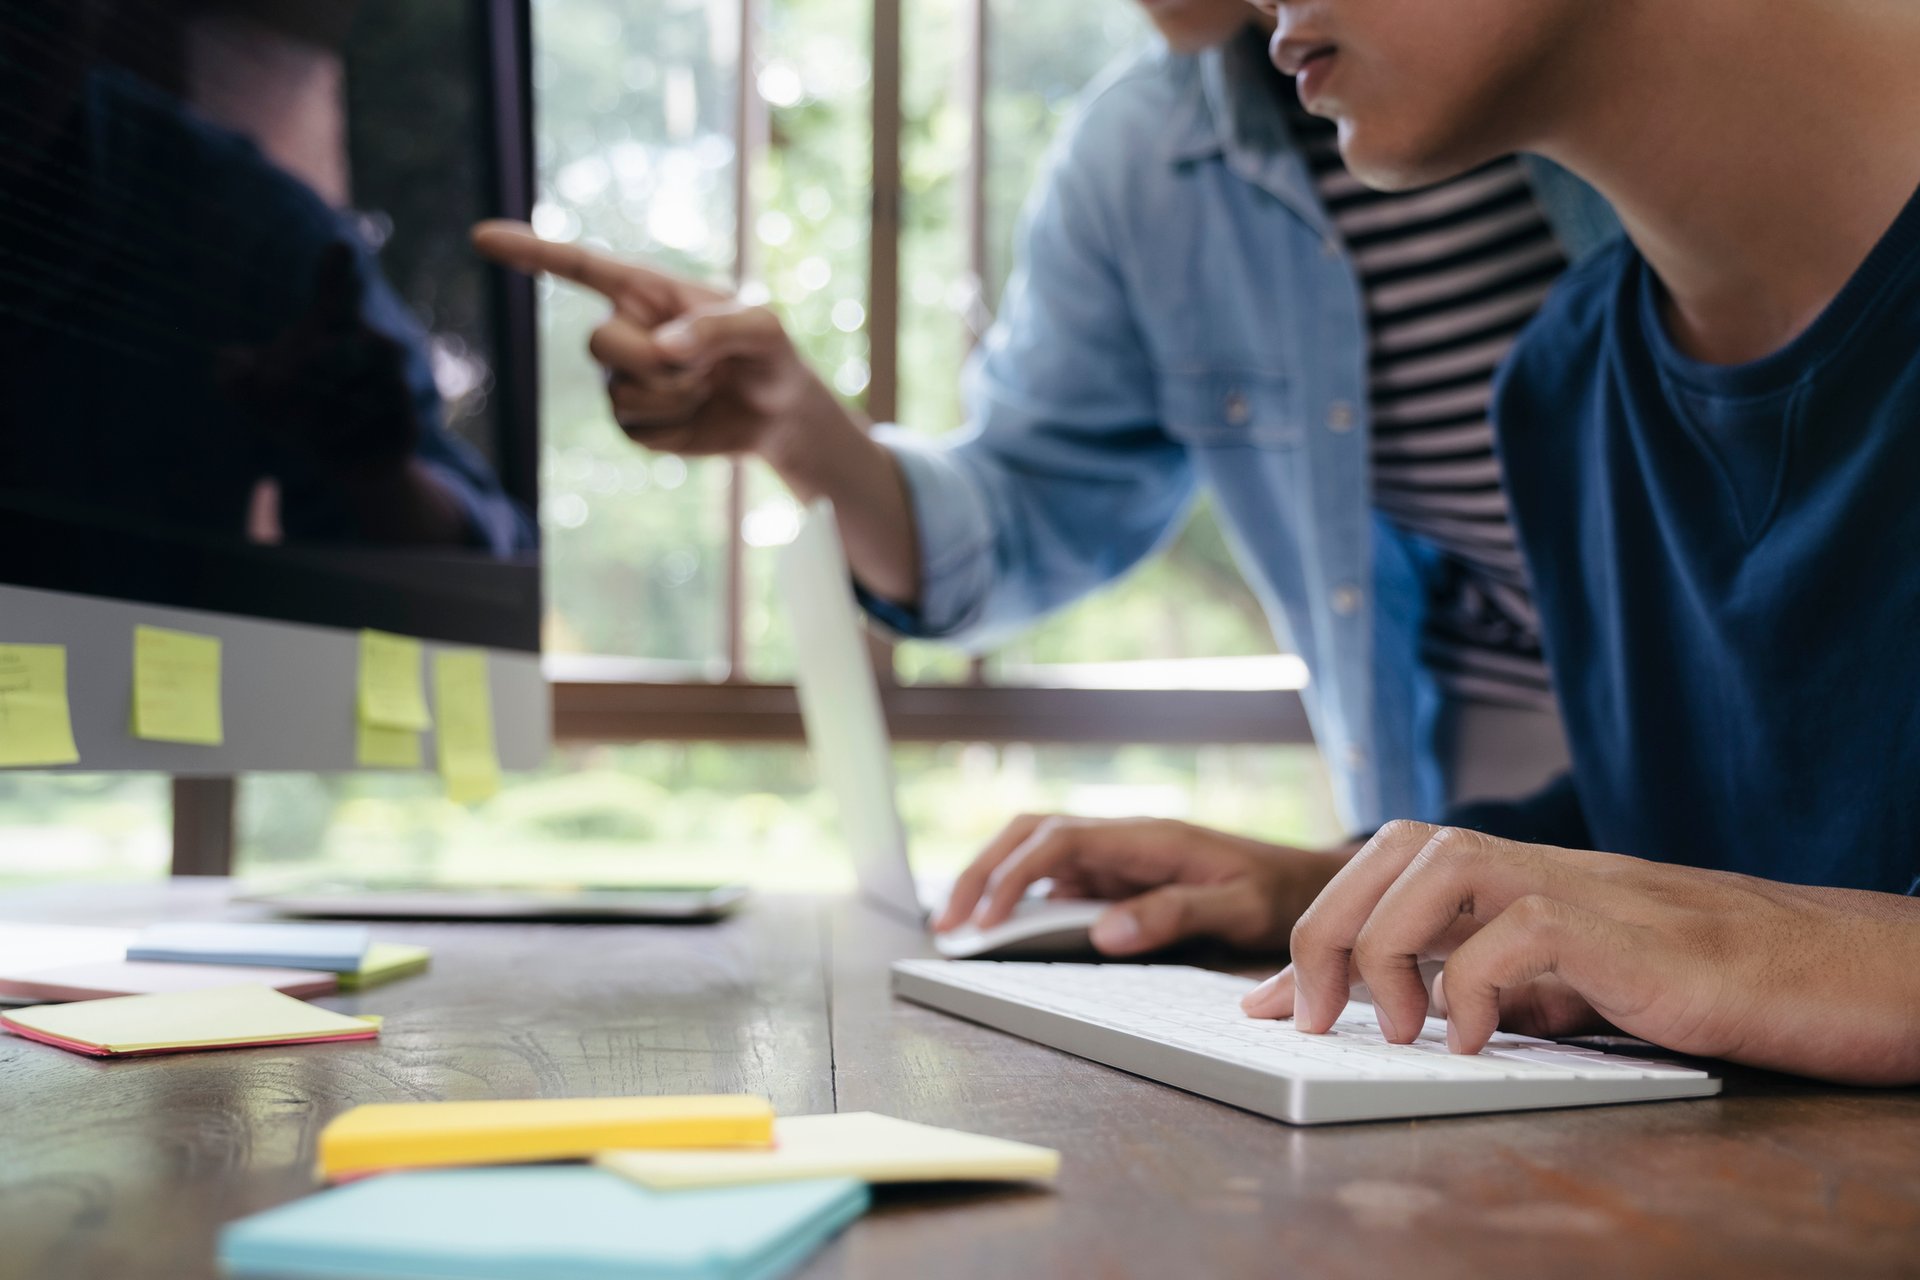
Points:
(1402, 160)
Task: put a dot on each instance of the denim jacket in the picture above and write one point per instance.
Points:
(1185, 314)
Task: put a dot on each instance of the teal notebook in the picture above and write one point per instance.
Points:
(552, 1222)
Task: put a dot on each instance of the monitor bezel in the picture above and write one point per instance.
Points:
(436, 595)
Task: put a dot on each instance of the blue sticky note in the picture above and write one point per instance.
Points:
(337, 948)
(551, 1222)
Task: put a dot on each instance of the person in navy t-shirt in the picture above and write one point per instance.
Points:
(1712, 441)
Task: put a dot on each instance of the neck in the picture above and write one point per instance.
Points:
(1757, 151)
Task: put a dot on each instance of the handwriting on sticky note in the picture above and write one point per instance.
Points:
(176, 687)
(392, 694)
(379, 747)
(36, 724)
(468, 759)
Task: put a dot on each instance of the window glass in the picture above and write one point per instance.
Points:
(64, 827)
(635, 153)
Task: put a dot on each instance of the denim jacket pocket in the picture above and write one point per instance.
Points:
(1222, 408)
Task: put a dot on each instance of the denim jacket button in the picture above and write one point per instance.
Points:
(1237, 409)
(1346, 600)
(1340, 416)
(1356, 756)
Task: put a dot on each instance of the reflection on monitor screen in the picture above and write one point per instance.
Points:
(246, 360)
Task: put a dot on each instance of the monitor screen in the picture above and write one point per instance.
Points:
(248, 363)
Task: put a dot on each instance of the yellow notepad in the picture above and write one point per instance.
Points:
(858, 1144)
(384, 962)
(220, 1018)
(411, 1135)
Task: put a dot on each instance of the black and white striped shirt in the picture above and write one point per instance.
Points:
(1451, 274)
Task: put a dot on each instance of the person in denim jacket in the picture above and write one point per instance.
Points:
(1196, 305)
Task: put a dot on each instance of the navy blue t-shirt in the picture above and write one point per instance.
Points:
(1727, 565)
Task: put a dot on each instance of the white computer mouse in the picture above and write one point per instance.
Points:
(1040, 928)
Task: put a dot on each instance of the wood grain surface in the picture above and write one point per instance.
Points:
(125, 1170)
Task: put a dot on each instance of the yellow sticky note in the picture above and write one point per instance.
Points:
(176, 687)
(856, 1144)
(36, 726)
(379, 747)
(401, 1135)
(217, 1018)
(386, 962)
(391, 693)
(468, 760)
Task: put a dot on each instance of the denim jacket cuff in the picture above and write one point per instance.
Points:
(956, 541)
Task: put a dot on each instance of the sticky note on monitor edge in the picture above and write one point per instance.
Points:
(378, 746)
(392, 694)
(469, 759)
(176, 687)
(36, 721)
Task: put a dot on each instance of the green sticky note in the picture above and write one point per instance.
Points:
(176, 687)
(379, 747)
(391, 693)
(36, 726)
(468, 760)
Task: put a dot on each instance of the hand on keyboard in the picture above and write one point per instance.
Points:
(1541, 940)
(1177, 880)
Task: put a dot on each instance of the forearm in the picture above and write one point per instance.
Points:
(827, 453)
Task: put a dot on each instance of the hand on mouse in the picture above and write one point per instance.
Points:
(1549, 941)
(1173, 880)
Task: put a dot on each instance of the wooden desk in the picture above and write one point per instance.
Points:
(123, 1170)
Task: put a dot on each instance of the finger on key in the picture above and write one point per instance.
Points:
(1324, 937)
(1459, 879)
(1533, 938)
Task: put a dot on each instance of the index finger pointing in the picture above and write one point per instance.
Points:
(516, 245)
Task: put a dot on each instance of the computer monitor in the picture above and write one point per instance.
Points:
(253, 384)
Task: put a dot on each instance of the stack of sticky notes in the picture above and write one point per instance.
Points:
(856, 1144)
(334, 948)
(712, 1186)
(184, 1021)
(345, 951)
(105, 979)
(413, 1135)
(541, 1224)
(52, 963)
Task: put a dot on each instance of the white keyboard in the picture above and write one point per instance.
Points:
(1183, 1026)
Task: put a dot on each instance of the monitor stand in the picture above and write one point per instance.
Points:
(203, 826)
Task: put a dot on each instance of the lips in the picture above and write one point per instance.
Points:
(1293, 54)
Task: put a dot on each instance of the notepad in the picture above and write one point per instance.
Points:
(857, 1144)
(103, 981)
(411, 1135)
(565, 1223)
(36, 723)
(385, 962)
(182, 1022)
(468, 759)
(391, 692)
(337, 948)
(176, 687)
